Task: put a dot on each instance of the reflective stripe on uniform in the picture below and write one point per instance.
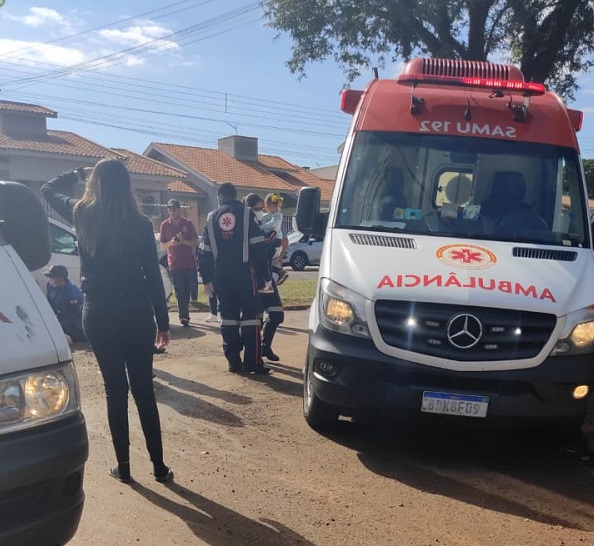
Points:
(205, 248)
(229, 322)
(275, 309)
(258, 239)
(211, 234)
(251, 322)
(246, 233)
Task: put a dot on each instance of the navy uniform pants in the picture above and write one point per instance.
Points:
(238, 306)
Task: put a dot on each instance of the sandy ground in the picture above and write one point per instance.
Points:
(249, 471)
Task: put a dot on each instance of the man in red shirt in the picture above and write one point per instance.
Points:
(178, 236)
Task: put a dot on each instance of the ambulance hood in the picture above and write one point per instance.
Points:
(458, 271)
(30, 335)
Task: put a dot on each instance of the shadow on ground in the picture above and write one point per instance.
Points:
(526, 475)
(214, 523)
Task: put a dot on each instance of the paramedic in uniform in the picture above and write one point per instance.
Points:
(232, 248)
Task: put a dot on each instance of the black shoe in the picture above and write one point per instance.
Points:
(185, 322)
(259, 370)
(164, 476)
(267, 352)
(114, 472)
(158, 350)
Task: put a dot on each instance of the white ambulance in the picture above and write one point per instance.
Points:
(457, 277)
(43, 437)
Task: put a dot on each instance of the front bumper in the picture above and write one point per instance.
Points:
(367, 379)
(41, 483)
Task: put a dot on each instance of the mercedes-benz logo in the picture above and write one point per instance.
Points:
(464, 331)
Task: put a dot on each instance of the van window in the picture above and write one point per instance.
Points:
(62, 241)
(464, 187)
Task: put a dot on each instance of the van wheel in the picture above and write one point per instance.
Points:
(299, 261)
(318, 414)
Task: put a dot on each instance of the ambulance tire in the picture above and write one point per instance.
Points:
(318, 414)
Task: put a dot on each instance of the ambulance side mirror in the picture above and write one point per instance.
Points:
(309, 219)
(24, 225)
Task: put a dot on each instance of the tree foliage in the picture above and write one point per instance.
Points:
(551, 40)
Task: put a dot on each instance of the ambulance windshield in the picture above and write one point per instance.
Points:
(464, 188)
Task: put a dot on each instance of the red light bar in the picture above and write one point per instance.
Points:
(349, 100)
(480, 83)
(576, 117)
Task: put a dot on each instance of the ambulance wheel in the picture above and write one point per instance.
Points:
(299, 261)
(318, 414)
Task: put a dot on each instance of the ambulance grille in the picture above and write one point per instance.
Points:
(544, 254)
(470, 69)
(423, 328)
(383, 240)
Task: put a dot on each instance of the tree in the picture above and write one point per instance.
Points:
(551, 40)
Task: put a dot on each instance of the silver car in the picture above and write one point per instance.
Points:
(302, 251)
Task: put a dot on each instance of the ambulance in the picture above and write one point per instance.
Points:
(43, 436)
(456, 281)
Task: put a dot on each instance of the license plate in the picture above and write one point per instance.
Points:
(464, 405)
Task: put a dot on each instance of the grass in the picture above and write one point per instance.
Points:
(293, 293)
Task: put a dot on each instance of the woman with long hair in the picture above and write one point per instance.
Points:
(124, 296)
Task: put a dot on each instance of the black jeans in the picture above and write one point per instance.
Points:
(275, 315)
(213, 305)
(121, 330)
(183, 280)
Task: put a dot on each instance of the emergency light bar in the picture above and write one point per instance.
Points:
(493, 84)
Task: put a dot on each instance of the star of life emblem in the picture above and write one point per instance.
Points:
(227, 223)
(466, 256)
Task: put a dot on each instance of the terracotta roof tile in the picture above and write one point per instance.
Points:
(57, 142)
(220, 167)
(140, 164)
(268, 173)
(28, 108)
(183, 186)
(297, 176)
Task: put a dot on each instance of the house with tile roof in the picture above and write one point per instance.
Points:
(236, 160)
(32, 154)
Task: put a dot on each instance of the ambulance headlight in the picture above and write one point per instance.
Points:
(36, 397)
(342, 310)
(578, 334)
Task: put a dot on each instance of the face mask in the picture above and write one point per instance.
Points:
(259, 214)
(53, 283)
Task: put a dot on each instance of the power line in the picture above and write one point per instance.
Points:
(112, 58)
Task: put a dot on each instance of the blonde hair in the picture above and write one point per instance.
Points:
(107, 202)
(274, 199)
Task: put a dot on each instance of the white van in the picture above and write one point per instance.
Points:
(456, 281)
(43, 437)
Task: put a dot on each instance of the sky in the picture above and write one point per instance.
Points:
(127, 73)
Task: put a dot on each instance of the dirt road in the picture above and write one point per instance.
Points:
(249, 471)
